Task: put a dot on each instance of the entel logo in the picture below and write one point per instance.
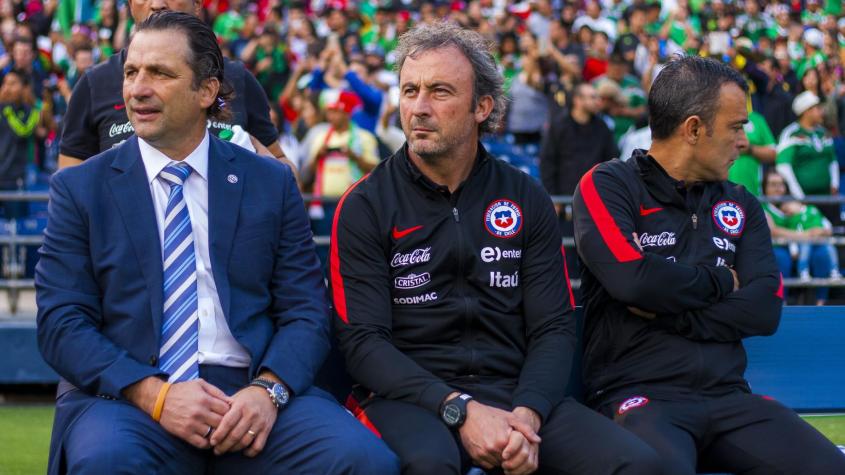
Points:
(724, 244)
(494, 254)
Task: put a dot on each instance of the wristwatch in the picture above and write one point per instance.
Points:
(454, 411)
(278, 392)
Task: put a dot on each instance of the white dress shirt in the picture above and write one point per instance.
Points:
(217, 346)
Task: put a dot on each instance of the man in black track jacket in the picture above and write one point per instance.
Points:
(678, 269)
(451, 297)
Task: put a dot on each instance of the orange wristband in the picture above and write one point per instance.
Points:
(162, 393)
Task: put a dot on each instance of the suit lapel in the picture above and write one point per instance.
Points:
(131, 192)
(225, 187)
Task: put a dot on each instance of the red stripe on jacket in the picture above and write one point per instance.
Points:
(338, 292)
(610, 233)
(355, 409)
(566, 273)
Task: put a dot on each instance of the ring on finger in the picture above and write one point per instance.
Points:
(208, 432)
(251, 432)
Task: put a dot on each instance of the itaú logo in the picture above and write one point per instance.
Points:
(657, 240)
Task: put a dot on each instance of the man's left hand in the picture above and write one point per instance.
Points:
(248, 423)
(521, 456)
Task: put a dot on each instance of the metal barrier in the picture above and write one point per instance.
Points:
(14, 245)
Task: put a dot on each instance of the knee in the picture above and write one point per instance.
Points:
(365, 457)
(112, 457)
(643, 461)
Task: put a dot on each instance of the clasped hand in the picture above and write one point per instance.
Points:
(493, 437)
(240, 422)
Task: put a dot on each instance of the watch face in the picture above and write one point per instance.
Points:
(451, 414)
(280, 394)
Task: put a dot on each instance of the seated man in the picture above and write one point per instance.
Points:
(179, 294)
(452, 300)
(678, 270)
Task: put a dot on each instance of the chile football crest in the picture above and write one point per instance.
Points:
(503, 219)
(729, 217)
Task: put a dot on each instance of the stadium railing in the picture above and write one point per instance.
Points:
(19, 241)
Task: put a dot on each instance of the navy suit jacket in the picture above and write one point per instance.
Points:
(99, 279)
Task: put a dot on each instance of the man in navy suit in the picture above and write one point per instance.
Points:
(180, 296)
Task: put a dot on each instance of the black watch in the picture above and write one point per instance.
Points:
(454, 411)
(278, 392)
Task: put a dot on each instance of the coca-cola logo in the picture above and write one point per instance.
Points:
(120, 129)
(657, 240)
(417, 256)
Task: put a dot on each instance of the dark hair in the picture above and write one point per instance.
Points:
(25, 77)
(687, 86)
(204, 58)
(487, 79)
(768, 176)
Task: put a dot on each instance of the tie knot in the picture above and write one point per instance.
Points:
(175, 174)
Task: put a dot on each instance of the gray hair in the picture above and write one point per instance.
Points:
(487, 79)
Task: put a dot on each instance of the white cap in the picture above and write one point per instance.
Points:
(814, 38)
(803, 102)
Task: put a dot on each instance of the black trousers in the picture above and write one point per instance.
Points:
(738, 433)
(576, 440)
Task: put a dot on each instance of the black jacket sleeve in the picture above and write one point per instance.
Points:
(258, 122)
(755, 308)
(547, 306)
(360, 289)
(79, 133)
(604, 228)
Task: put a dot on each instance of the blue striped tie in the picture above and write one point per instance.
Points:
(180, 321)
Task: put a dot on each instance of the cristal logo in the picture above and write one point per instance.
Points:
(412, 281)
(416, 256)
(658, 240)
(121, 129)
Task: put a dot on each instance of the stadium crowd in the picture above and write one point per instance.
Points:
(572, 69)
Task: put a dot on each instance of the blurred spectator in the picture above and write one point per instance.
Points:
(336, 154)
(265, 56)
(747, 170)
(799, 223)
(576, 140)
(18, 124)
(24, 59)
(529, 106)
(632, 104)
(805, 155)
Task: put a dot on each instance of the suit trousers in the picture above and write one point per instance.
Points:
(313, 435)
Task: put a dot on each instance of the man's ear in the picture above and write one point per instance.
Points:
(483, 108)
(208, 92)
(692, 128)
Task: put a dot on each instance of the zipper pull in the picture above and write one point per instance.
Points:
(694, 221)
(456, 215)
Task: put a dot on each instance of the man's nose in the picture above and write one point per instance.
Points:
(158, 5)
(421, 105)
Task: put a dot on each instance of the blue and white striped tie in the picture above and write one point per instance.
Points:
(180, 320)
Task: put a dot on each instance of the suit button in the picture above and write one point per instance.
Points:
(153, 360)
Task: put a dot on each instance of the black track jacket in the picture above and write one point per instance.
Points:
(435, 291)
(688, 236)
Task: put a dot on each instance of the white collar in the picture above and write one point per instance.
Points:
(155, 161)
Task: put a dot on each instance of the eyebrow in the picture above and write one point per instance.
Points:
(432, 85)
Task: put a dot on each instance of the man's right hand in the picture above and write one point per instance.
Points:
(736, 278)
(190, 408)
(486, 433)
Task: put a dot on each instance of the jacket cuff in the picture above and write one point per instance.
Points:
(535, 401)
(433, 395)
(724, 280)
